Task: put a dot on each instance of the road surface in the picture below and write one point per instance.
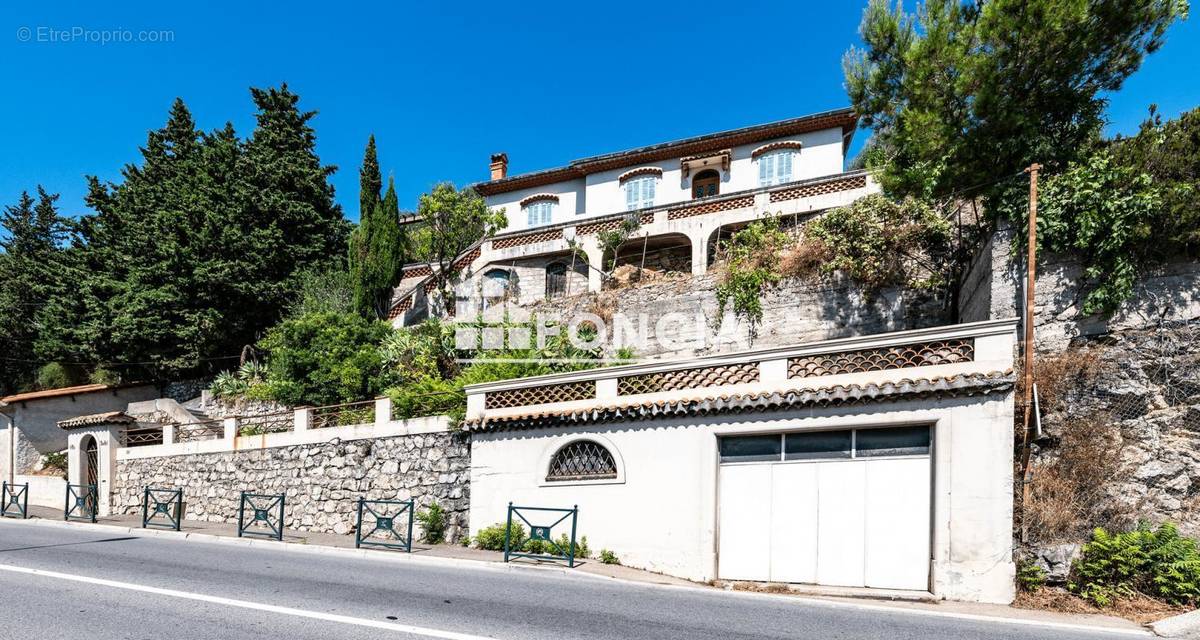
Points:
(70, 583)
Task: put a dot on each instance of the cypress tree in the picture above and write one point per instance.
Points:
(376, 251)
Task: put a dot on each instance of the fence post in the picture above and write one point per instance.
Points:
(383, 411)
(302, 420)
(231, 428)
(507, 532)
(168, 434)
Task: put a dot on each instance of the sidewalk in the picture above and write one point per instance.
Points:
(311, 542)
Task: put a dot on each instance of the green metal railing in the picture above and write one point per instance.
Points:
(266, 510)
(391, 524)
(541, 533)
(167, 503)
(14, 502)
(81, 502)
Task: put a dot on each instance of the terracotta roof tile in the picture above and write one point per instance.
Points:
(837, 395)
(54, 393)
(108, 417)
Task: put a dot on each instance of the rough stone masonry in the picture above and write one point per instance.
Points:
(322, 481)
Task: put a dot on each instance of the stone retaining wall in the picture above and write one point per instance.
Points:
(322, 481)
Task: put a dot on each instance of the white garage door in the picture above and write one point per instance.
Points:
(843, 508)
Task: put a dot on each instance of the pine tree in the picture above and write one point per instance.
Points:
(376, 246)
(28, 275)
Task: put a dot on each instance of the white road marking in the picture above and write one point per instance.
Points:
(246, 604)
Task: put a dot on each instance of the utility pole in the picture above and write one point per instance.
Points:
(1030, 284)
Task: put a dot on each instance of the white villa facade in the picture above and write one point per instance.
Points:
(879, 462)
(685, 195)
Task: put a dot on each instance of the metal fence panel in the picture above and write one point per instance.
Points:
(167, 503)
(81, 502)
(14, 500)
(266, 511)
(542, 533)
(391, 524)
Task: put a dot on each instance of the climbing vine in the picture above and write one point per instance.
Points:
(751, 259)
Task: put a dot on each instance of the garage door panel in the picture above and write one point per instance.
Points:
(897, 523)
(840, 522)
(794, 523)
(745, 532)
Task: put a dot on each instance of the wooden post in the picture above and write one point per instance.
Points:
(1027, 395)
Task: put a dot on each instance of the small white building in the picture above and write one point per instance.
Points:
(684, 195)
(879, 462)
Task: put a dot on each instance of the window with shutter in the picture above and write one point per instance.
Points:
(775, 168)
(639, 192)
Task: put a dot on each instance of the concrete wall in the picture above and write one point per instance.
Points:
(37, 421)
(601, 193)
(45, 491)
(661, 512)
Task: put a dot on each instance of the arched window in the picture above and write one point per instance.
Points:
(706, 183)
(775, 167)
(556, 280)
(582, 460)
(496, 284)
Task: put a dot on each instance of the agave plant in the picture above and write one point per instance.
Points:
(227, 384)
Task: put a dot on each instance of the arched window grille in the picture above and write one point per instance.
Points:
(706, 183)
(582, 460)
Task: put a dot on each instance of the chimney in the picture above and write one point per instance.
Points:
(499, 166)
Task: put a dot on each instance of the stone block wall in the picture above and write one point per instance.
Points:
(322, 481)
(794, 311)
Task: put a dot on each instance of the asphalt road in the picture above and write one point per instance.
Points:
(62, 583)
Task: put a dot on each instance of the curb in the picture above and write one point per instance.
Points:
(489, 565)
(1184, 625)
(300, 547)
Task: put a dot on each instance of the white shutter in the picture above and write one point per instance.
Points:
(785, 167)
(764, 172)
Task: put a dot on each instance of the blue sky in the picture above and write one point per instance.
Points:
(442, 85)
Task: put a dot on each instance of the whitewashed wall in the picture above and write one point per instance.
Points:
(660, 514)
(601, 193)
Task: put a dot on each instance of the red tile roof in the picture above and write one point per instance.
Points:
(54, 393)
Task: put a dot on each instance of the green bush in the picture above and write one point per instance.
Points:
(433, 521)
(1158, 563)
(1030, 577)
(492, 538)
(56, 460)
(608, 557)
(56, 375)
(325, 358)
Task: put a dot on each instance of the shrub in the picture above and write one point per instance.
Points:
(56, 375)
(433, 521)
(55, 460)
(492, 538)
(1068, 494)
(1158, 563)
(325, 358)
(878, 242)
(608, 557)
(1030, 577)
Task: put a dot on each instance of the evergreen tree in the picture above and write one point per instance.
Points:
(28, 275)
(376, 245)
(288, 195)
(963, 93)
(198, 249)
